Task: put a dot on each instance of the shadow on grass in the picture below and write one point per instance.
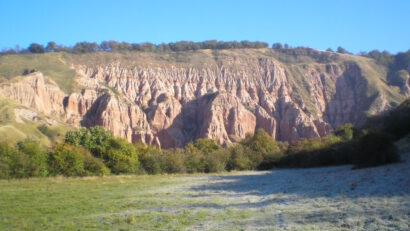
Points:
(331, 182)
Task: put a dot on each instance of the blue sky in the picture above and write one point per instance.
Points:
(357, 25)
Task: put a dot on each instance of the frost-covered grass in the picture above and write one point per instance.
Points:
(335, 198)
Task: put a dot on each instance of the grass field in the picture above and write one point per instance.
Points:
(334, 198)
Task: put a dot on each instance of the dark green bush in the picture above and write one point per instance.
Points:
(172, 162)
(95, 139)
(70, 160)
(375, 149)
(217, 160)
(117, 154)
(36, 155)
(206, 146)
(326, 151)
(397, 122)
(239, 158)
(28, 159)
(13, 164)
(150, 158)
(194, 159)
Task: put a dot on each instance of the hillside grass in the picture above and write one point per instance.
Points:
(12, 131)
(51, 65)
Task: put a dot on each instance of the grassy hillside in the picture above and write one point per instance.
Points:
(50, 64)
(13, 129)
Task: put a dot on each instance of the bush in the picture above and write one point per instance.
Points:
(28, 159)
(375, 149)
(95, 139)
(263, 150)
(120, 156)
(94, 166)
(117, 154)
(194, 159)
(239, 158)
(13, 164)
(150, 158)
(37, 157)
(69, 160)
(217, 160)
(206, 146)
(345, 131)
(172, 162)
(397, 122)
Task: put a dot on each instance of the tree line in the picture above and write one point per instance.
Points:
(115, 46)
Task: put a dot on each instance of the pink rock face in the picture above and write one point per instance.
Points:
(170, 104)
(224, 116)
(32, 91)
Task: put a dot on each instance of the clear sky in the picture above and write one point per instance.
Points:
(357, 25)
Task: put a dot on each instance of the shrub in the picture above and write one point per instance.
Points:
(206, 146)
(239, 158)
(150, 158)
(94, 166)
(194, 159)
(95, 139)
(375, 149)
(13, 164)
(70, 160)
(67, 160)
(172, 162)
(263, 150)
(217, 160)
(326, 151)
(27, 160)
(345, 131)
(120, 156)
(37, 157)
(397, 122)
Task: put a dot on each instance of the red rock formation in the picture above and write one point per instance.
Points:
(172, 104)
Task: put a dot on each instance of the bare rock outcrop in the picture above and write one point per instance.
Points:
(32, 91)
(224, 116)
(171, 103)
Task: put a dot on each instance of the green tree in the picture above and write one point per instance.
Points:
(85, 47)
(206, 146)
(264, 149)
(341, 50)
(36, 48)
(277, 46)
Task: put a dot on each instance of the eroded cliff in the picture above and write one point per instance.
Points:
(171, 99)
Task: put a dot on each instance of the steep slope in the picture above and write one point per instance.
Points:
(169, 99)
(18, 123)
